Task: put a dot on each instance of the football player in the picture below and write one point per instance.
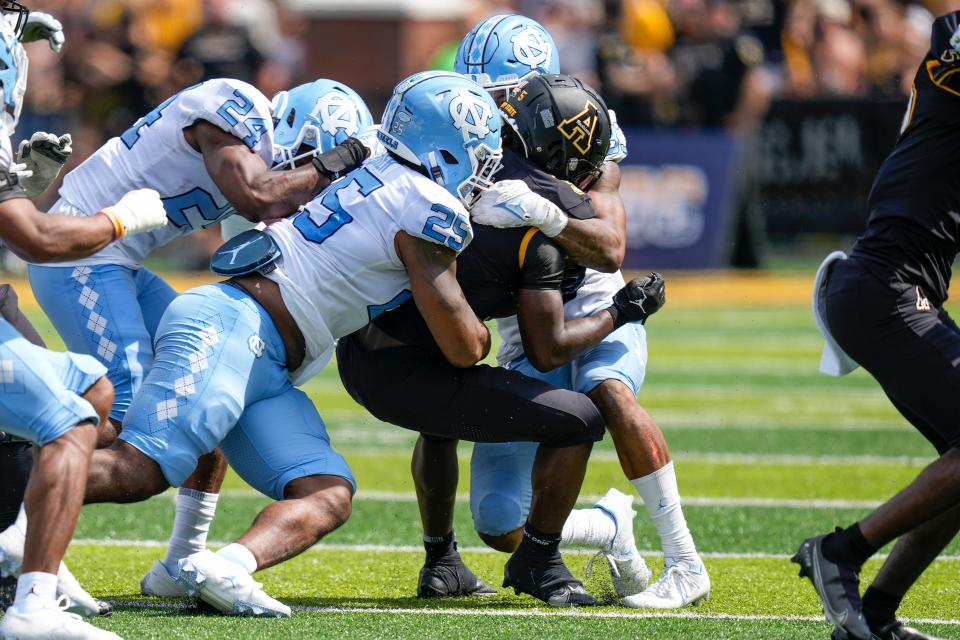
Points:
(882, 308)
(228, 355)
(501, 52)
(394, 368)
(209, 151)
(55, 400)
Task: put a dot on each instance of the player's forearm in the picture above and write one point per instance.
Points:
(276, 194)
(570, 339)
(593, 243)
(40, 238)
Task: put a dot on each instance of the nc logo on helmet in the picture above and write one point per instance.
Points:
(471, 115)
(336, 111)
(530, 48)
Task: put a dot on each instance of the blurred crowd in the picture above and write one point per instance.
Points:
(712, 63)
(659, 63)
(718, 63)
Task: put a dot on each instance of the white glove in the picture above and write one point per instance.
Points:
(138, 211)
(43, 26)
(43, 156)
(618, 142)
(511, 203)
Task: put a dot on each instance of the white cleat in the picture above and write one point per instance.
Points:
(49, 624)
(628, 569)
(161, 583)
(81, 602)
(682, 583)
(226, 587)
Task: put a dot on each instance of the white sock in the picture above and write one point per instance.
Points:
(21, 522)
(36, 590)
(239, 554)
(662, 498)
(195, 511)
(588, 528)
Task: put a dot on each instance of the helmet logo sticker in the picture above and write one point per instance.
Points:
(471, 115)
(530, 48)
(336, 111)
(579, 129)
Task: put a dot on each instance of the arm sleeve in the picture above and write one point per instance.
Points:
(944, 62)
(541, 262)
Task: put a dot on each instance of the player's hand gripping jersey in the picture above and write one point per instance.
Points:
(153, 153)
(913, 234)
(340, 267)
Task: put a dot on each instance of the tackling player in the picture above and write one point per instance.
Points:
(208, 150)
(226, 354)
(501, 51)
(882, 308)
(55, 400)
(394, 368)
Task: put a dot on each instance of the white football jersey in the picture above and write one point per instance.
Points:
(340, 267)
(596, 293)
(154, 154)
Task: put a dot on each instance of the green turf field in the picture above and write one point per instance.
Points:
(768, 452)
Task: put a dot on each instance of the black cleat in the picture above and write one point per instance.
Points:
(838, 587)
(449, 577)
(548, 580)
(895, 630)
(8, 591)
(105, 609)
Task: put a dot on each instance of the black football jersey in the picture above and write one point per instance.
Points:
(498, 263)
(913, 232)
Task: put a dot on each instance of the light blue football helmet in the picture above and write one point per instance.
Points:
(502, 51)
(13, 77)
(447, 124)
(313, 118)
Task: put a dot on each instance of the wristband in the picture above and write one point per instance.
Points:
(343, 158)
(119, 231)
(615, 314)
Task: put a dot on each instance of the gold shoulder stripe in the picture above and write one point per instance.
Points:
(941, 78)
(527, 237)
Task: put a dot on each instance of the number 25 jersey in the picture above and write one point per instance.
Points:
(340, 269)
(154, 154)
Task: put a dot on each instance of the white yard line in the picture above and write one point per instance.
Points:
(699, 501)
(539, 613)
(390, 548)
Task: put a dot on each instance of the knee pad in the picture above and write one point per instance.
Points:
(499, 513)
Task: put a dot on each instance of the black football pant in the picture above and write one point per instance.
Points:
(911, 347)
(418, 389)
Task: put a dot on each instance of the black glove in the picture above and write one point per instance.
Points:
(638, 300)
(342, 159)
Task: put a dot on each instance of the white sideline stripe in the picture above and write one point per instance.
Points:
(682, 615)
(698, 501)
(708, 457)
(390, 548)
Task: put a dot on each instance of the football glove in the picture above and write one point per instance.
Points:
(342, 159)
(618, 141)
(511, 203)
(43, 26)
(43, 156)
(136, 212)
(638, 300)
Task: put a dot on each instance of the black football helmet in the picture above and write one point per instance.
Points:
(21, 11)
(561, 124)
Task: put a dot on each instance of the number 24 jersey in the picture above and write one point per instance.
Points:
(154, 154)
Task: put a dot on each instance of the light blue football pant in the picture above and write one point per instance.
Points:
(500, 483)
(110, 312)
(219, 379)
(40, 390)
